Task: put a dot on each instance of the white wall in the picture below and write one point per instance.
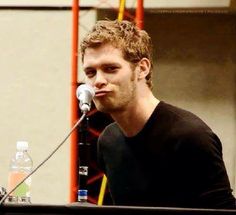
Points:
(35, 68)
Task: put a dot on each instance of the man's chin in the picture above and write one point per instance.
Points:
(104, 108)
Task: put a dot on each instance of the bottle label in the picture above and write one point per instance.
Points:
(14, 179)
(83, 170)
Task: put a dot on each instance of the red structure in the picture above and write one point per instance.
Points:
(97, 120)
(74, 101)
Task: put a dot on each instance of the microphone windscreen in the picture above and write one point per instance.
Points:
(83, 88)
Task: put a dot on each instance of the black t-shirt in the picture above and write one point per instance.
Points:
(174, 161)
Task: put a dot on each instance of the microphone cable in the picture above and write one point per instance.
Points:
(44, 161)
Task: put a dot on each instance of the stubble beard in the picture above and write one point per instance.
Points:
(119, 101)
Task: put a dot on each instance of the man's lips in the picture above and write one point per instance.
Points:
(100, 93)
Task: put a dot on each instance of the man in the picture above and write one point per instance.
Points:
(154, 154)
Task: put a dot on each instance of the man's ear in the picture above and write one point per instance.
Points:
(144, 66)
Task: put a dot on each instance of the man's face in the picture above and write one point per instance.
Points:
(112, 78)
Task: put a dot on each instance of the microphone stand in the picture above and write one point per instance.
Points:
(83, 161)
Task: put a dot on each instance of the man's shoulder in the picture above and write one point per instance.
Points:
(183, 119)
(111, 128)
(177, 111)
(187, 126)
(110, 133)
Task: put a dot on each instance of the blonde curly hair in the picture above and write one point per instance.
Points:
(134, 43)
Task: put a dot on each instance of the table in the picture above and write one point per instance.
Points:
(74, 208)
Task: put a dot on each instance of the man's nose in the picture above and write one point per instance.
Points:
(100, 80)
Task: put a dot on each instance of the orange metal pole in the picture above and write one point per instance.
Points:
(139, 14)
(74, 103)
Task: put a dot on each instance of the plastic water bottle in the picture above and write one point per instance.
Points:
(21, 165)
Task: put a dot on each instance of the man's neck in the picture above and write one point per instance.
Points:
(133, 119)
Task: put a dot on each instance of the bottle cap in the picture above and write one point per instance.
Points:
(22, 145)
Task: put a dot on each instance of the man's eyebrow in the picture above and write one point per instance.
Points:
(102, 65)
(110, 64)
(88, 68)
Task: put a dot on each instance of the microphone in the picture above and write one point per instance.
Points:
(85, 94)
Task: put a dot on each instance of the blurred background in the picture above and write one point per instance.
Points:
(194, 68)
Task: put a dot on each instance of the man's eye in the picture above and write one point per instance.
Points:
(111, 69)
(90, 73)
